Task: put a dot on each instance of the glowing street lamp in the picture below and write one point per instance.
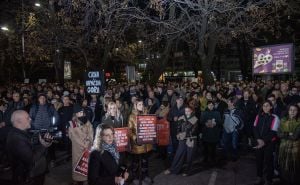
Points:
(4, 28)
(140, 41)
(37, 4)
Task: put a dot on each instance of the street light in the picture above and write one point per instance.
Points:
(37, 4)
(4, 28)
(140, 41)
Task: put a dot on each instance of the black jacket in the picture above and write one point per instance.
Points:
(211, 134)
(266, 127)
(248, 109)
(102, 168)
(65, 115)
(27, 161)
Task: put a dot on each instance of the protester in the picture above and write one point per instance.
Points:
(289, 150)
(139, 151)
(104, 166)
(28, 162)
(232, 124)
(247, 106)
(15, 104)
(211, 127)
(265, 132)
(113, 117)
(186, 134)
(81, 134)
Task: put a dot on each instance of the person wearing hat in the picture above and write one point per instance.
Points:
(44, 116)
(81, 135)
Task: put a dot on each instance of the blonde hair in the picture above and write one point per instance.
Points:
(108, 113)
(97, 143)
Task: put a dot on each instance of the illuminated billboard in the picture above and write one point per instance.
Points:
(273, 59)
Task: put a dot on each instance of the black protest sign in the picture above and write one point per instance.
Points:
(94, 83)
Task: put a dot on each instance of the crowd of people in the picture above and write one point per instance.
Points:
(261, 116)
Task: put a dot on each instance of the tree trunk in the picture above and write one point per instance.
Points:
(242, 58)
(207, 58)
(160, 66)
(59, 68)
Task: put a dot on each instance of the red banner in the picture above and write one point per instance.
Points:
(163, 132)
(146, 129)
(122, 141)
(82, 164)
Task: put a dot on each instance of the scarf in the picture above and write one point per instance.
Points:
(112, 149)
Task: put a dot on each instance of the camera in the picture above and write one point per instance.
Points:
(53, 131)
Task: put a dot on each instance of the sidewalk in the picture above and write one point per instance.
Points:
(242, 172)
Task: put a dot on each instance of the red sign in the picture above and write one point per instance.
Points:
(163, 132)
(122, 141)
(146, 129)
(82, 164)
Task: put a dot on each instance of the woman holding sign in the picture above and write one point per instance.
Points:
(81, 134)
(104, 167)
(139, 150)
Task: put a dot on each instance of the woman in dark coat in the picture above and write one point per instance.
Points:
(104, 167)
(265, 132)
(186, 134)
(211, 127)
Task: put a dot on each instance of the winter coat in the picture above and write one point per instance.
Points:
(211, 135)
(249, 111)
(102, 168)
(233, 120)
(289, 150)
(81, 136)
(132, 124)
(116, 122)
(266, 127)
(187, 125)
(41, 123)
(27, 161)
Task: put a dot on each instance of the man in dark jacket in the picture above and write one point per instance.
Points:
(28, 163)
(15, 104)
(65, 115)
(211, 126)
(247, 106)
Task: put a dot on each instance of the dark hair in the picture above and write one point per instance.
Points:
(298, 110)
(270, 103)
(233, 100)
(189, 107)
(210, 102)
(106, 126)
(271, 96)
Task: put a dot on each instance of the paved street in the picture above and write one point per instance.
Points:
(241, 172)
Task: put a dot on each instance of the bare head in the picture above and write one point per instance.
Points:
(20, 119)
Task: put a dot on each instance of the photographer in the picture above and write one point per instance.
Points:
(29, 163)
